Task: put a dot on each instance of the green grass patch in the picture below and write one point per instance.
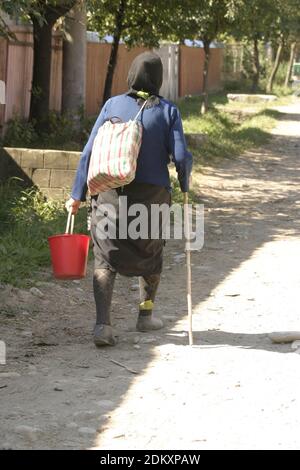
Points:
(26, 220)
(230, 128)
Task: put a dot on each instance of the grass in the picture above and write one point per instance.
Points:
(230, 128)
(27, 218)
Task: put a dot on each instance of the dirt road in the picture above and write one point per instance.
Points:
(233, 390)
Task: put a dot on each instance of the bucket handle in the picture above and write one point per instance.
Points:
(70, 220)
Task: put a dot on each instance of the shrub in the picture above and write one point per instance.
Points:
(19, 133)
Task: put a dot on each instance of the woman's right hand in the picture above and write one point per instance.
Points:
(73, 205)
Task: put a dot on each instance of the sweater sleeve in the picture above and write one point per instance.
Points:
(180, 155)
(79, 188)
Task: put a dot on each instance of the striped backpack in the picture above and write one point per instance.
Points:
(114, 155)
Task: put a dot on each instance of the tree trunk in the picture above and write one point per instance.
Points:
(42, 54)
(270, 83)
(111, 69)
(204, 105)
(290, 64)
(114, 51)
(74, 61)
(40, 91)
(255, 66)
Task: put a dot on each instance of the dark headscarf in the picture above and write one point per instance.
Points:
(145, 74)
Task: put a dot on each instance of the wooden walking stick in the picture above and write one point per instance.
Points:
(188, 266)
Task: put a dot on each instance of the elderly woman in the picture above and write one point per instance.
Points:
(163, 140)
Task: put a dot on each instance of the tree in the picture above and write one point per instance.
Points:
(293, 39)
(74, 60)
(136, 22)
(203, 20)
(145, 22)
(269, 21)
(108, 17)
(43, 15)
(293, 51)
(252, 22)
(285, 28)
(270, 82)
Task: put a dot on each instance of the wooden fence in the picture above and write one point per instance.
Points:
(97, 59)
(183, 68)
(191, 70)
(16, 61)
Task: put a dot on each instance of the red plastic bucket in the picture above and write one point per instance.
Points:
(69, 253)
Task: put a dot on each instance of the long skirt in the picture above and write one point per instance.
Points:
(127, 253)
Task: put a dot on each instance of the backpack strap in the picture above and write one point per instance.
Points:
(135, 119)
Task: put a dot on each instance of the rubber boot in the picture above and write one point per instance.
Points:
(147, 322)
(103, 336)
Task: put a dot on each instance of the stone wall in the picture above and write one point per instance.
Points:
(52, 171)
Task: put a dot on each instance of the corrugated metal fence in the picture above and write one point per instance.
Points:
(183, 68)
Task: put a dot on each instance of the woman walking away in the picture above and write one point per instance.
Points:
(162, 139)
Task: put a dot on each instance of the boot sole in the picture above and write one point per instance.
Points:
(145, 329)
(103, 342)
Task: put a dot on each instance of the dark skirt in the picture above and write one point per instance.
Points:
(129, 257)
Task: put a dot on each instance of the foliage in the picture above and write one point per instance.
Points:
(13, 9)
(27, 219)
(19, 133)
(203, 20)
(268, 21)
(38, 9)
(136, 22)
(247, 63)
(43, 15)
(253, 19)
(65, 132)
(286, 20)
(143, 22)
